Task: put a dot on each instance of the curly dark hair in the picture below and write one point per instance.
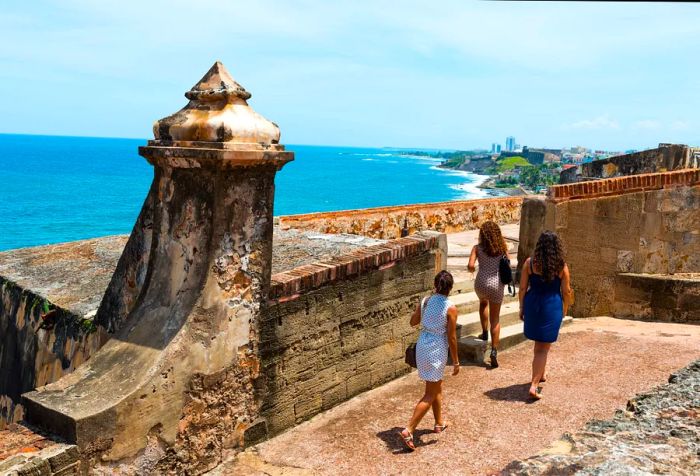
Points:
(444, 282)
(549, 255)
(491, 239)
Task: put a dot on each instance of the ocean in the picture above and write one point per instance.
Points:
(55, 189)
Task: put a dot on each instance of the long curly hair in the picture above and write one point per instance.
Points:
(549, 255)
(491, 239)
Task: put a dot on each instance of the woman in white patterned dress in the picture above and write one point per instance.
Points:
(438, 317)
(487, 285)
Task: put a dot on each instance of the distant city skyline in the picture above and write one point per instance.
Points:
(453, 75)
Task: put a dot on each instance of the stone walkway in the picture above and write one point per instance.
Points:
(597, 365)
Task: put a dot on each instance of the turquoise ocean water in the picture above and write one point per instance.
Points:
(56, 189)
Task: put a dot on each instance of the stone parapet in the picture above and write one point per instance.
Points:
(646, 224)
(665, 158)
(305, 278)
(627, 184)
(388, 222)
(341, 327)
(655, 297)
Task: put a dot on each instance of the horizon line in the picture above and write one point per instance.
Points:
(438, 149)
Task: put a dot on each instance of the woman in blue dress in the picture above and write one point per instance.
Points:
(545, 292)
(438, 319)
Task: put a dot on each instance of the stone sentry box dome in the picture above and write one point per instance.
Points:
(217, 116)
(179, 320)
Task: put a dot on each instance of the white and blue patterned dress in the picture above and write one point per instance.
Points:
(432, 347)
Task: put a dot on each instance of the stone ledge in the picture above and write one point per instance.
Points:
(622, 185)
(304, 278)
(388, 222)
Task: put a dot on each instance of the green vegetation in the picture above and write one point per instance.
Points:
(504, 164)
(526, 174)
(88, 326)
(539, 176)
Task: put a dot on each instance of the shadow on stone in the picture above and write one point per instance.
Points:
(394, 443)
(511, 393)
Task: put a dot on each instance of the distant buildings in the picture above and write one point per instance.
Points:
(510, 143)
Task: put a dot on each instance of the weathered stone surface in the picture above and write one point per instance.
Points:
(388, 222)
(658, 433)
(639, 231)
(661, 159)
(670, 298)
(532, 219)
(327, 344)
(71, 276)
(180, 366)
(28, 451)
(35, 353)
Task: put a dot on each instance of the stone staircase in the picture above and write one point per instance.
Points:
(471, 348)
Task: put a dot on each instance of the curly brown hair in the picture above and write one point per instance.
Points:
(491, 239)
(549, 255)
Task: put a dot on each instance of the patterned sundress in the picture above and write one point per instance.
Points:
(432, 347)
(487, 285)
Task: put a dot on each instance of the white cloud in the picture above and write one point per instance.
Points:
(679, 126)
(647, 124)
(597, 123)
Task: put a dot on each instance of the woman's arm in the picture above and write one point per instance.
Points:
(452, 338)
(472, 260)
(524, 281)
(566, 293)
(415, 317)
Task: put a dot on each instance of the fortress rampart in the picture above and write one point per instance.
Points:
(337, 328)
(642, 224)
(665, 158)
(387, 222)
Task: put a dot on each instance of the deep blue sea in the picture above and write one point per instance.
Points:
(55, 189)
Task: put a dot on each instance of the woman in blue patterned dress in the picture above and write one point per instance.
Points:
(438, 317)
(545, 293)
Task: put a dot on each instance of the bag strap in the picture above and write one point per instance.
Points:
(423, 302)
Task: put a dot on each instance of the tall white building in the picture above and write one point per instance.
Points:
(510, 143)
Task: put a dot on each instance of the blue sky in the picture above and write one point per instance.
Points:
(435, 74)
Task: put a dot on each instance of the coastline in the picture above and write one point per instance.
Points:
(489, 186)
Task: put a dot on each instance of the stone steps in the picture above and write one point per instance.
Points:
(472, 349)
(468, 302)
(458, 251)
(460, 263)
(469, 324)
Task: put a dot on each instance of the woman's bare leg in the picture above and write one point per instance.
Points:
(437, 405)
(539, 363)
(494, 319)
(425, 403)
(484, 316)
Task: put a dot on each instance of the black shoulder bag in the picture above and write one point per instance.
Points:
(410, 357)
(506, 274)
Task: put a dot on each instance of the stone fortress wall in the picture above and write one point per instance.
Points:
(50, 296)
(71, 279)
(388, 222)
(623, 236)
(665, 158)
(334, 329)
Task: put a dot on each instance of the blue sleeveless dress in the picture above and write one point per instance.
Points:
(542, 308)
